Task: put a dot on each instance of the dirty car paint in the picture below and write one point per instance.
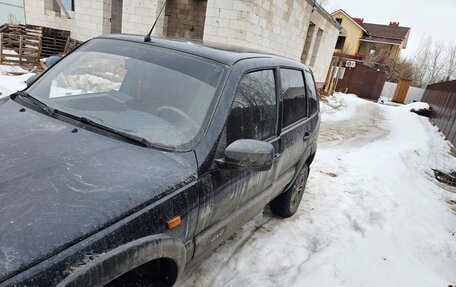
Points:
(66, 186)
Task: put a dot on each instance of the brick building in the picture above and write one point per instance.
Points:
(297, 29)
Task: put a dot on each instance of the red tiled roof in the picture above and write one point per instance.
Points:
(386, 31)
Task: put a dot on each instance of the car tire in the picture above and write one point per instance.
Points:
(286, 204)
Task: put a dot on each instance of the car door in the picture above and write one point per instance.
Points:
(296, 125)
(233, 197)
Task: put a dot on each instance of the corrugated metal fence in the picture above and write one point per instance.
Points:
(442, 98)
(363, 81)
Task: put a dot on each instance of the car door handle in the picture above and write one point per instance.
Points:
(306, 136)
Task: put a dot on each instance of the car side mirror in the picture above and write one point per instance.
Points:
(32, 79)
(248, 155)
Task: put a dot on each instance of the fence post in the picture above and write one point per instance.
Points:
(20, 49)
(1, 48)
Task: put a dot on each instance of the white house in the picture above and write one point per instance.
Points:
(298, 29)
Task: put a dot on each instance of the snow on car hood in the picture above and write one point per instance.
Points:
(58, 187)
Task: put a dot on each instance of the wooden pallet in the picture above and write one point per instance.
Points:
(51, 41)
(23, 50)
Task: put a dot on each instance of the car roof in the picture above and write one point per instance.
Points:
(227, 54)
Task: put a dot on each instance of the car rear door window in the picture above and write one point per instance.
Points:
(312, 92)
(294, 96)
(254, 110)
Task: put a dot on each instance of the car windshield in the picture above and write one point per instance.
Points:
(157, 94)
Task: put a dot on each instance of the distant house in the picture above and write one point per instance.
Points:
(359, 39)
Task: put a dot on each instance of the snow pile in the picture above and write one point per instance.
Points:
(372, 215)
(383, 100)
(12, 84)
(416, 107)
(7, 70)
(338, 107)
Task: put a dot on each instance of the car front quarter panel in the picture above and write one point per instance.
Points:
(136, 230)
(106, 267)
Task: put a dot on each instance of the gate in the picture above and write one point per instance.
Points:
(363, 81)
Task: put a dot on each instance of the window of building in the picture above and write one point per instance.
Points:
(68, 4)
(294, 96)
(308, 42)
(339, 20)
(316, 48)
(254, 111)
(56, 5)
(312, 93)
(340, 42)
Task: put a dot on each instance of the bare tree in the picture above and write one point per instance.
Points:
(450, 67)
(436, 63)
(421, 60)
(374, 54)
(401, 69)
(322, 3)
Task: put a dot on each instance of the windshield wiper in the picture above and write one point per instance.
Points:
(136, 139)
(50, 111)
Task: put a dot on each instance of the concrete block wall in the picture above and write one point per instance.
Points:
(185, 18)
(275, 26)
(326, 47)
(88, 19)
(139, 15)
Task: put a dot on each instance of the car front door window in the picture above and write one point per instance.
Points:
(254, 110)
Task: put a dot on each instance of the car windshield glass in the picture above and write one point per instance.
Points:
(154, 93)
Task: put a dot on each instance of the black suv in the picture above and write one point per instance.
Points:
(128, 160)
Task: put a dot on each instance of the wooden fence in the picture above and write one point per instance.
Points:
(442, 98)
(364, 81)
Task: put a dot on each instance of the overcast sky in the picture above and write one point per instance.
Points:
(426, 17)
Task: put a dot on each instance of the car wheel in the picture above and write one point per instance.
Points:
(287, 203)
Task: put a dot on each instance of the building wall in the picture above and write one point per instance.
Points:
(90, 18)
(325, 49)
(354, 33)
(185, 18)
(275, 26)
(139, 16)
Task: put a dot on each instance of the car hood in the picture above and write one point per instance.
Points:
(58, 187)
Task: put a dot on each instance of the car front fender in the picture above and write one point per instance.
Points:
(108, 266)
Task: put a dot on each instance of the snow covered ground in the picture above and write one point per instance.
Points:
(10, 83)
(372, 214)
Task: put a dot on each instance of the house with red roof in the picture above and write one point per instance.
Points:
(358, 39)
